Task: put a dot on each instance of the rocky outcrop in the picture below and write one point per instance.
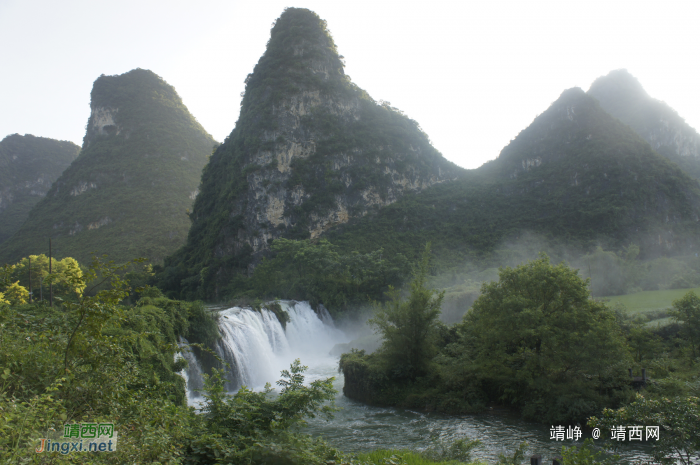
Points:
(129, 192)
(310, 151)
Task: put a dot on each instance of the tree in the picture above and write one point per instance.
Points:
(678, 420)
(63, 276)
(686, 311)
(407, 327)
(257, 427)
(536, 335)
(16, 294)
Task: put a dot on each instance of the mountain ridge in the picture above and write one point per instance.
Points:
(622, 95)
(127, 193)
(576, 175)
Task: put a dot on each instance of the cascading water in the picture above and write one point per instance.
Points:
(257, 346)
(193, 373)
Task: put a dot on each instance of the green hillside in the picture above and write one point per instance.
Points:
(128, 192)
(28, 167)
(576, 176)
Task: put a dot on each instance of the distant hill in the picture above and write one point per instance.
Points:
(128, 192)
(310, 151)
(28, 167)
(621, 95)
(575, 176)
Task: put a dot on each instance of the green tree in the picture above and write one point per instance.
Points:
(319, 273)
(16, 294)
(678, 420)
(643, 343)
(256, 427)
(586, 454)
(65, 275)
(537, 341)
(408, 326)
(686, 311)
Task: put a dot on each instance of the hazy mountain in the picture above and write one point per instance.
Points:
(28, 167)
(576, 176)
(128, 192)
(621, 95)
(310, 151)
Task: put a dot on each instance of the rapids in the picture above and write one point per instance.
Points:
(258, 347)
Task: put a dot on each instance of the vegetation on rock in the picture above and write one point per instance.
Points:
(310, 150)
(128, 192)
(576, 177)
(28, 167)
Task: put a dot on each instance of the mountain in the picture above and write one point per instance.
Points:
(127, 193)
(28, 167)
(576, 176)
(310, 151)
(621, 95)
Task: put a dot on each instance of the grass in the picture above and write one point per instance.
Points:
(400, 457)
(649, 301)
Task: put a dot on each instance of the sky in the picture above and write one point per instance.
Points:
(473, 74)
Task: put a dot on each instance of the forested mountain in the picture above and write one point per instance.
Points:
(310, 150)
(621, 95)
(28, 167)
(128, 192)
(576, 176)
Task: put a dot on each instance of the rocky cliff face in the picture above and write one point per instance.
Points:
(28, 167)
(128, 192)
(310, 151)
(621, 95)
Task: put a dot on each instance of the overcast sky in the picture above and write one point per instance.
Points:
(472, 73)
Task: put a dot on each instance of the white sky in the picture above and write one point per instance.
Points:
(472, 73)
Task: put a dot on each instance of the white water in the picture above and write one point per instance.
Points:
(258, 348)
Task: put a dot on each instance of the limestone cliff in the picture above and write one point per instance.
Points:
(28, 167)
(310, 151)
(128, 192)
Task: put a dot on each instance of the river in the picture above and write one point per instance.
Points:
(258, 347)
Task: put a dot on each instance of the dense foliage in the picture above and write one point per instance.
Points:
(28, 167)
(678, 419)
(316, 272)
(536, 341)
(533, 336)
(128, 192)
(409, 328)
(91, 358)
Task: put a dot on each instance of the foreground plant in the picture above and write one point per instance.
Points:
(678, 420)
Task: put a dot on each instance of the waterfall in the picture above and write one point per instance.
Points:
(257, 346)
(193, 374)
